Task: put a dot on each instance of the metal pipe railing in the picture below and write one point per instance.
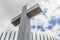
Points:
(1, 35)
(41, 37)
(10, 35)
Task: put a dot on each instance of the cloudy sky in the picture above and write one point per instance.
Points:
(47, 21)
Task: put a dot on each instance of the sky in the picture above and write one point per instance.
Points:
(47, 21)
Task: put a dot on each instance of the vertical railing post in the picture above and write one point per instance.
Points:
(40, 37)
(32, 35)
(36, 36)
(43, 37)
(14, 35)
(1, 35)
(47, 37)
(5, 35)
(10, 35)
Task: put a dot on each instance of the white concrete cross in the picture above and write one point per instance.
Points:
(23, 20)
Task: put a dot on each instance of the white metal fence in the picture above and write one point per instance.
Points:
(12, 35)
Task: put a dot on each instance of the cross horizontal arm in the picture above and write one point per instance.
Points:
(30, 13)
(34, 11)
(16, 20)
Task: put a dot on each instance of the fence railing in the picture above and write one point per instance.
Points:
(12, 36)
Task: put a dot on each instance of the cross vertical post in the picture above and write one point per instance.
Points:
(23, 20)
